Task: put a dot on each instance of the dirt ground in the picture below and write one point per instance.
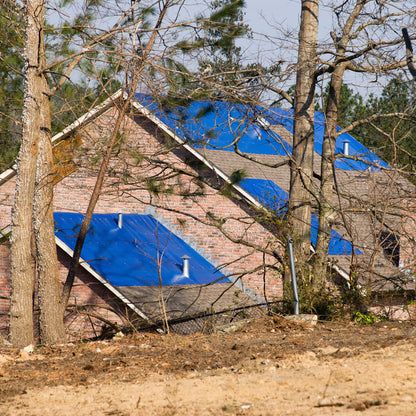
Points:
(268, 367)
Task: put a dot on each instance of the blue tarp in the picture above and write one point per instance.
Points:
(218, 125)
(130, 256)
(275, 198)
(222, 125)
(368, 158)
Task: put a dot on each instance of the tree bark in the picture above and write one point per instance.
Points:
(325, 199)
(301, 164)
(51, 326)
(22, 270)
(409, 53)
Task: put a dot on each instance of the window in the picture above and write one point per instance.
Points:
(391, 246)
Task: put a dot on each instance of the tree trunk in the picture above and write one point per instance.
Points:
(301, 164)
(51, 324)
(66, 291)
(325, 200)
(22, 270)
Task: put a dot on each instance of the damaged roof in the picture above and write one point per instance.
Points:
(142, 252)
(215, 127)
(233, 137)
(227, 126)
(141, 263)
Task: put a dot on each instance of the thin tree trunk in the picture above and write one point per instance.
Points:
(22, 270)
(66, 291)
(301, 165)
(51, 324)
(325, 199)
(131, 87)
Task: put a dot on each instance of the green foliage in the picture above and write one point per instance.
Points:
(11, 80)
(203, 111)
(235, 177)
(367, 319)
(215, 47)
(393, 138)
(316, 297)
(224, 27)
(222, 58)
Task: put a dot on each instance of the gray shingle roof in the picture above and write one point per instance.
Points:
(370, 202)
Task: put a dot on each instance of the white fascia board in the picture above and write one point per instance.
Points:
(87, 116)
(195, 153)
(340, 271)
(9, 173)
(84, 264)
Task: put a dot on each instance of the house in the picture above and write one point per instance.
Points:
(215, 176)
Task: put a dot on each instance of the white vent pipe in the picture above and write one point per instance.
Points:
(120, 219)
(185, 265)
(346, 147)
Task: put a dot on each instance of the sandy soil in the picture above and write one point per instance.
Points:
(269, 367)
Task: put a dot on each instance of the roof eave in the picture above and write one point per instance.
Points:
(95, 112)
(85, 265)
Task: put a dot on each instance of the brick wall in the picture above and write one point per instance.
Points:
(142, 161)
(89, 299)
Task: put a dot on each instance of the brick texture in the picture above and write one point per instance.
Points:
(149, 171)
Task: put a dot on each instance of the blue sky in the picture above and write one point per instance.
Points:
(280, 20)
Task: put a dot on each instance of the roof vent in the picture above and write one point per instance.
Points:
(185, 265)
(120, 219)
(262, 122)
(346, 147)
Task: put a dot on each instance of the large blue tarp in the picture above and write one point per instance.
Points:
(141, 253)
(222, 126)
(275, 198)
(218, 125)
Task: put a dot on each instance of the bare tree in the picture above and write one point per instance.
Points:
(352, 48)
(301, 165)
(325, 199)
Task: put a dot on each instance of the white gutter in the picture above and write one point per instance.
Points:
(84, 264)
(340, 271)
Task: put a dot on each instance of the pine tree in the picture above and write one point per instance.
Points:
(11, 80)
